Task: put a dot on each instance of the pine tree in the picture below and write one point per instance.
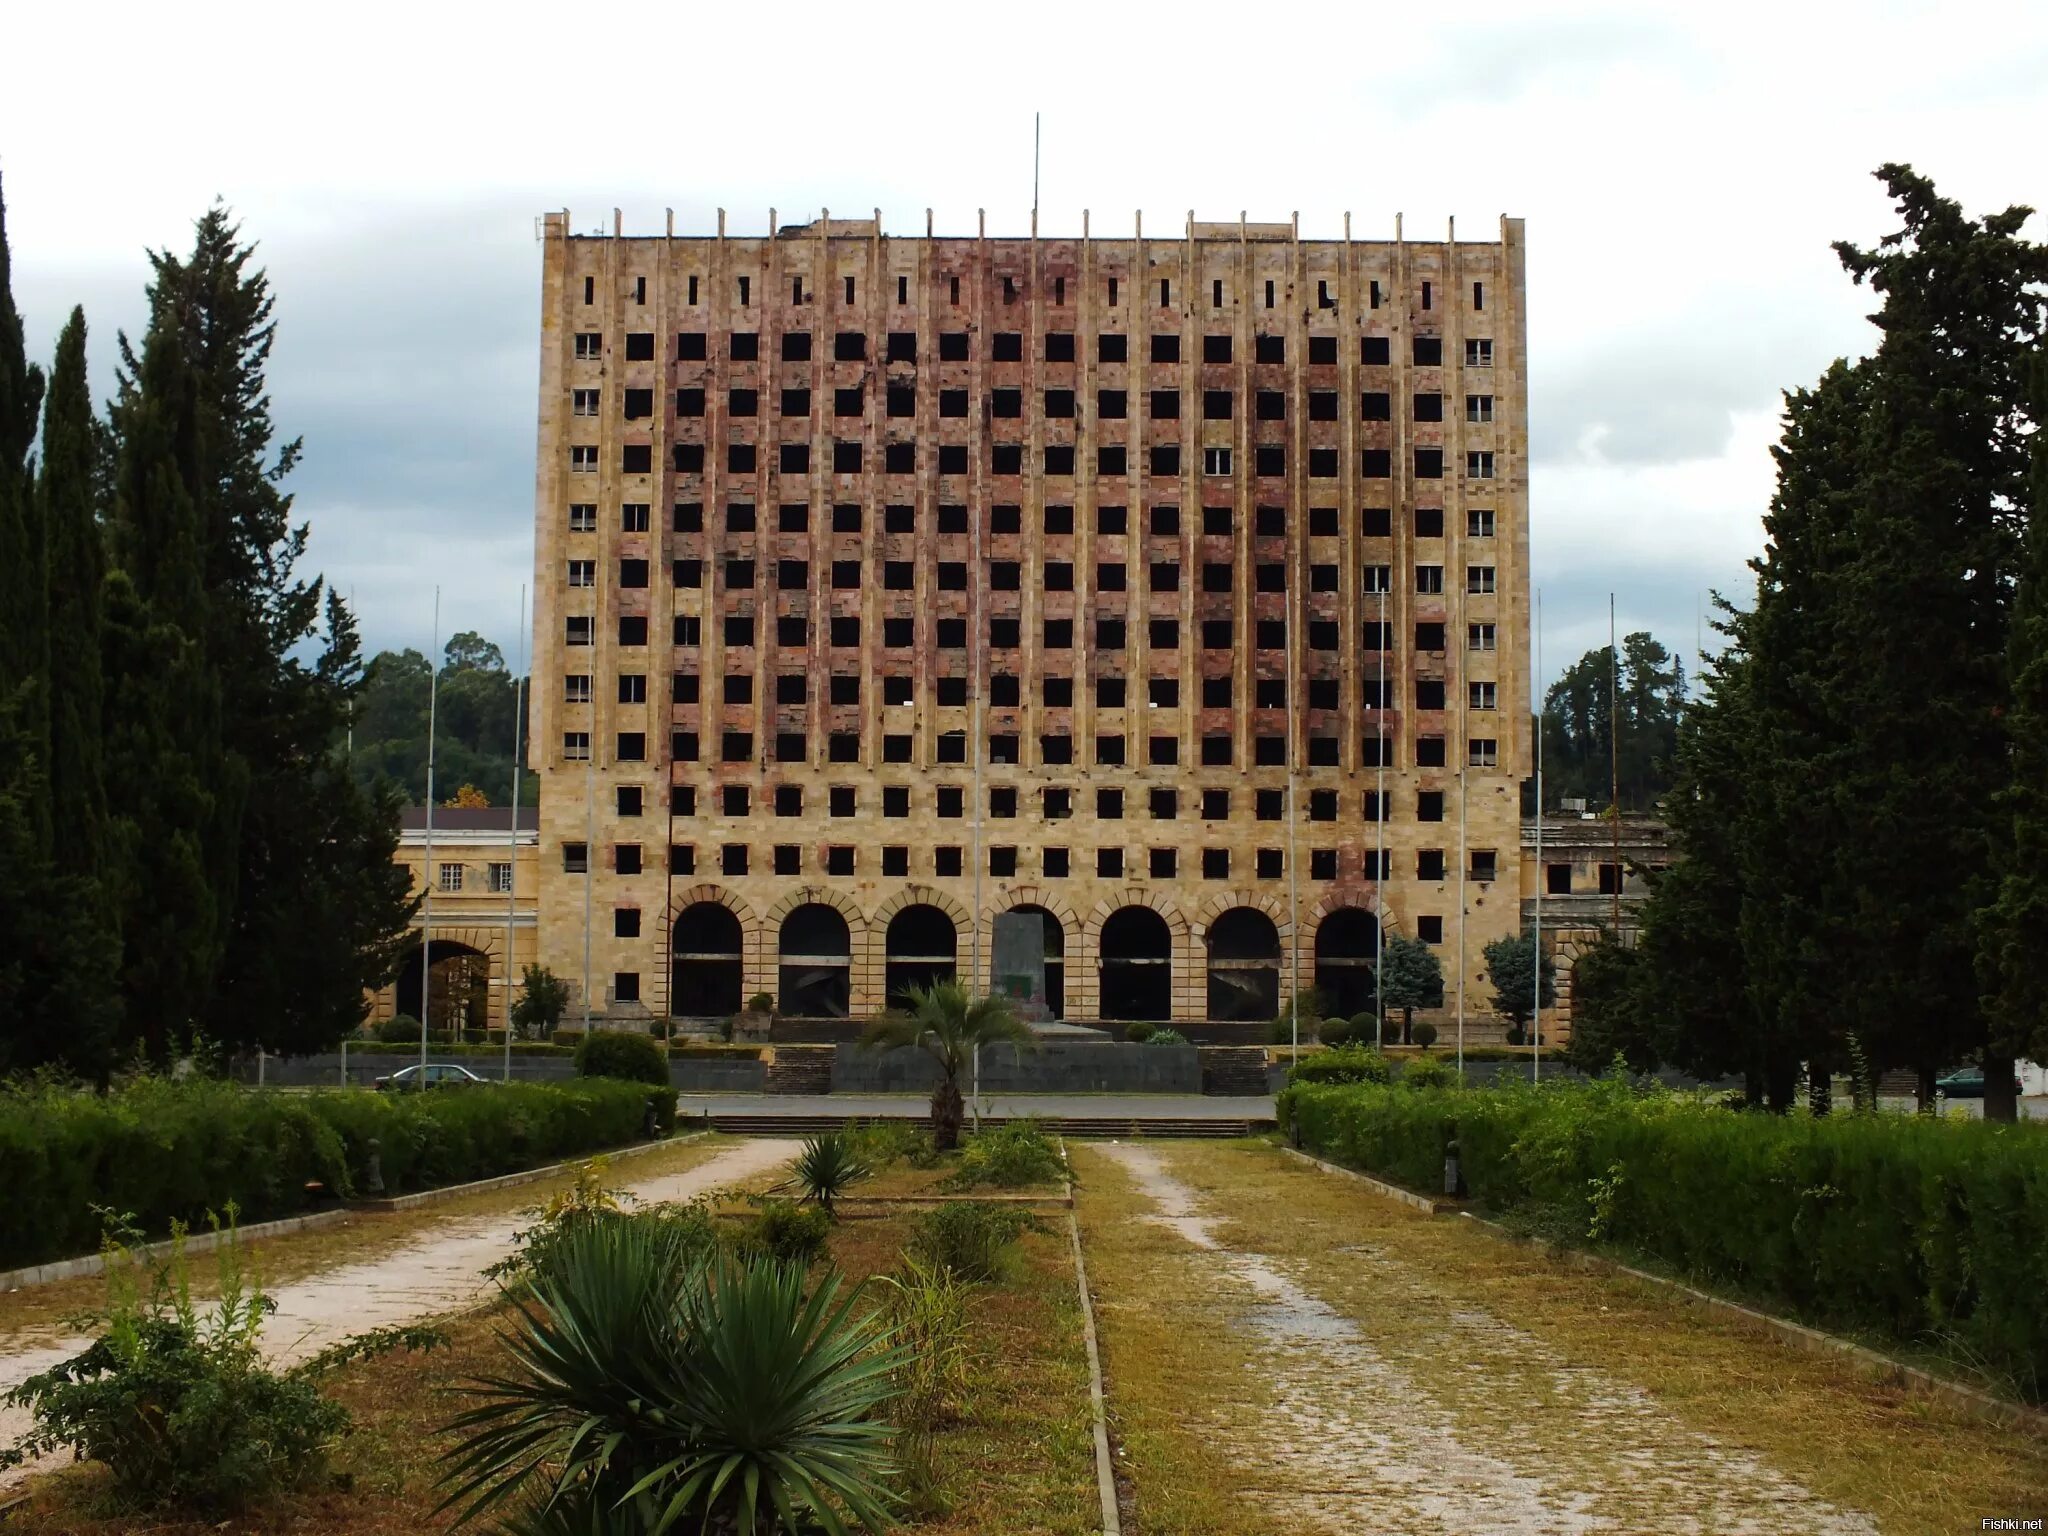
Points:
(1510, 966)
(1410, 977)
(22, 632)
(2012, 930)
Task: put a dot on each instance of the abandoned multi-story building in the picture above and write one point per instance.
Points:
(1170, 589)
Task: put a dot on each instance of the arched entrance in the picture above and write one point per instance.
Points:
(920, 949)
(705, 976)
(1137, 966)
(817, 964)
(1347, 954)
(1055, 959)
(461, 991)
(1244, 965)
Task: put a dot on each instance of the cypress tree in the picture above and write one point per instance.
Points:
(22, 633)
(2012, 930)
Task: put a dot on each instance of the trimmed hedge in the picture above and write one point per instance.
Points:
(1928, 1230)
(614, 1053)
(165, 1152)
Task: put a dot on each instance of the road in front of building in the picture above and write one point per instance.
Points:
(1006, 1106)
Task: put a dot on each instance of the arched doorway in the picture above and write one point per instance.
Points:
(705, 979)
(920, 949)
(1055, 959)
(1347, 954)
(1244, 966)
(817, 964)
(461, 991)
(1137, 966)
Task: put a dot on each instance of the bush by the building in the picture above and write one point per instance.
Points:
(160, 1151)
(636, 1058)
(1928, 1230)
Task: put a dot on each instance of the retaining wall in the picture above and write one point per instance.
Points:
(1073, 1066)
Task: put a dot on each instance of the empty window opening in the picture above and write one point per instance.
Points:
(1136, 947)
(1269, 300)
(746, 289)
(920, 947)
(705, 964)
(1244, 965)
(1165, 293)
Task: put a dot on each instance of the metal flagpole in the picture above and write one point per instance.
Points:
(428, 874)
(1536, 942)
(1614, 755)
(1379, 915)
(1462, 907)
(512, 869)
(589, 854)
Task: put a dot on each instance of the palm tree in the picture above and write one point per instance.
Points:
(949, 1022)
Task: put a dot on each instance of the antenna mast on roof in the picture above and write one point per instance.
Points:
(1034, 171)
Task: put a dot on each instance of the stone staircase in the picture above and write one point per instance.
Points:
(1234, 1071)
(801, 1069)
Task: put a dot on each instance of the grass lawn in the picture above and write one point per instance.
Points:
(1018, 1463)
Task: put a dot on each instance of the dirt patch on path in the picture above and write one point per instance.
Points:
(1413, 1414)
(440, 1271)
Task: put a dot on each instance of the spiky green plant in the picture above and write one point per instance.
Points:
(826, 1168)
(637, 1394)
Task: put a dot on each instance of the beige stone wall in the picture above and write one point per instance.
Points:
(475, 916)
(1308, 582)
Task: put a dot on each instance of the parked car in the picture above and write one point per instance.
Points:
(436, 1074)
(1967, 1083)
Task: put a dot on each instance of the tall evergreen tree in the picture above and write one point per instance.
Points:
(2012, 930)
(22, 635)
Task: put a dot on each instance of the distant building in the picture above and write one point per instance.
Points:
(484, 891)
(1584, 890)
(1173, 589)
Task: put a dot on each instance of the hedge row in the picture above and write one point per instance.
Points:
(1928, 1230)
(163, 1152)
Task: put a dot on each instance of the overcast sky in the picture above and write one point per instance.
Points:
(1682, 170)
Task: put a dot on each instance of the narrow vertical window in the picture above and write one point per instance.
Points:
(1375, 287)
(745, 284)
(1112, 293)
(693, 290)
(1165, 293)
(1479, 295)
(1426, 295)
(955, 283)
(590, 290)
(902, 290)
(1216, 293)
(639, 290)
(849, 290)
(796, 290)
(1269, 293)
(1059, 290)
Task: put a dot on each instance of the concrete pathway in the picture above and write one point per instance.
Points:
(1388, 1415)
(439, 1271)
(1067, 1106)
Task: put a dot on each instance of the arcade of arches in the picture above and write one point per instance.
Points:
(827, 961)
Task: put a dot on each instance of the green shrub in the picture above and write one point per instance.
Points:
(1423, 1034)
(1927, 1230)
(1426, 1071)
(971, 1239)
(1351, 1064)
(161, 1152)
(826, 1167)
(1138, 1031)
(1166, 1034)
(174, 1398)
(760, 1002)
(1365, 1026)
(620, 1053)
(402, 1029)
(786, 1232)
(885, 1143)
(1334, 1032)
(1008, 1157)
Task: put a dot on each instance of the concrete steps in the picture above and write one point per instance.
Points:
(1096, 1129)
(801, 1069)
(1233, 1071)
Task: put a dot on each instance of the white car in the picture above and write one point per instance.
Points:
(439, 1074)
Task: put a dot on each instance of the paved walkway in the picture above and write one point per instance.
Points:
(1066, 1106)
(1363, 1368)
(439, 1271)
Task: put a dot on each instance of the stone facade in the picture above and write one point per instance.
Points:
(886, 584)
(1586, 893)
(473, 853)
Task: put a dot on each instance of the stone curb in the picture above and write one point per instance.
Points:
(1408, 1197)
(964, 1197)
(1971, 1400)
(1105, 1468)
(509, 1180)
(204, 1242)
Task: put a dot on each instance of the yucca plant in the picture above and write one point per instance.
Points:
(826, 1168)
(638, 1394)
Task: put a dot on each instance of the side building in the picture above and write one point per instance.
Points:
(1173, 591)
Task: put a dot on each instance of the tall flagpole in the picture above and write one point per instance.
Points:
(1536, 942)
(589, 854)
(1614, 755)
(429, 874)
(1463, 905)
(512, 869)
(1379, 916)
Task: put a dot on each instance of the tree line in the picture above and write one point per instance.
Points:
(185, 858)
(473, 720)
(1861, 801)
(1607, 728)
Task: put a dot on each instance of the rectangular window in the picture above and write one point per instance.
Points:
(451, 877)
(583, 461)
(583, 517)
(500, 879)
(1429, 579)
(1479, 579)
(583, 402)
(1482, 752)
(1479, 523)
(589, 346)
(576, 746)
(582, 573)
(1478, 352)
(1479, 465)
(1479, 637)
(1479, 408)
(575, 858)
(1481, 695)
